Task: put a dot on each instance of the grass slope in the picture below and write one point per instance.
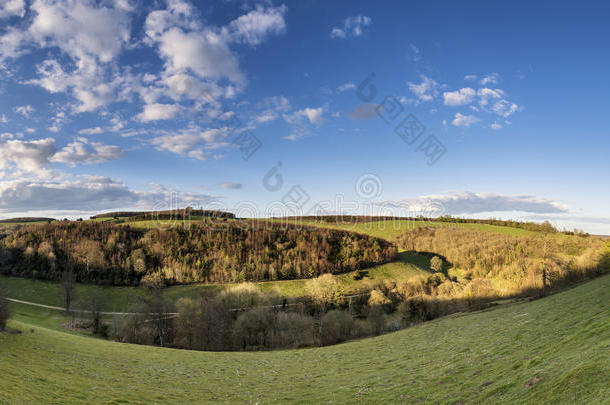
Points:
(392, 229)
(554, 350)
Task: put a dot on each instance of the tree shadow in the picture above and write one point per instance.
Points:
(422, 259)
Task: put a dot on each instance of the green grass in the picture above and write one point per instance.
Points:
(559, 344)
(22, 223)
(49, 293)
(392, 229)
(117, 299)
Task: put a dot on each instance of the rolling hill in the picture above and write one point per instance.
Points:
(552, 350)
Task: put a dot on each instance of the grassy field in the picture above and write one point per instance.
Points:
(118, 298)
(553, 350)
(392, 229)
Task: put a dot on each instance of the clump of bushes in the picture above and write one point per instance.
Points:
(325, 292)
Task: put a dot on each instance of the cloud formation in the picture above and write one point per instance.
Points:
(87, 193)
(10, 8)
(468, 202)
(85, 152)
(353, 26)
(426, 90)
(459, 97)
(461, 120)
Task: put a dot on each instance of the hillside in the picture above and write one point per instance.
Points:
(553, 350)
(217, 252)
(26, 220)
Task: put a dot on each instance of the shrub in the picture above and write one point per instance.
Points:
(293, 330)
(375, 317)
(244, 295)
(436, 264)
(335, 326)
(202, 324)
(325, 291)
(253, 329)
(150, 324)
(377, 298)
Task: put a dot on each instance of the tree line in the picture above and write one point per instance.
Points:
(215, 251)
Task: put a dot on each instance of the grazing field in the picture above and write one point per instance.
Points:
(553, 350)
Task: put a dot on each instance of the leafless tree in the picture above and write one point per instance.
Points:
(4, 312)
(95, 306)
(68, 283)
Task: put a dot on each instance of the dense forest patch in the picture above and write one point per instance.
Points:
(520, 262)
(212, 251)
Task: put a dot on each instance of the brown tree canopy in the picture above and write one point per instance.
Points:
(211, 251)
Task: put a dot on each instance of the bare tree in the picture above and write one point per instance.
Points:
(68, 283)
(4, 312)
(159, 310)
(96, 304)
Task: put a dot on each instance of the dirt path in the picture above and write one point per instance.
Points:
(81, 311)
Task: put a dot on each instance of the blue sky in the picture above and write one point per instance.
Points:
(129, 104)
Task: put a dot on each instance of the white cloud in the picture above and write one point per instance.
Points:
(495, 126)
(426, 90)
(301, 121)
(314, 115)
(25, 110)
(83, 30)
(88, 193)
(186, 45)
(353, 26)
(85, 152)
(204, 53)
(493, 100)
(156, 112)
(272, 108)
(504, 108)
(3, 119)
(346, 86)
(28, 156)
(490, 79)
(486, 94)
(91, 131)
(468, 202)
(36, 156)
(193, 142)
(459, 97)
(470, 78)
(10, 8)
(92, 34)
(254, 27)
(461, 120)
(12, 42)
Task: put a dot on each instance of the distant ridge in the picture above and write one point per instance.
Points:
(25, 219)
(166, 214)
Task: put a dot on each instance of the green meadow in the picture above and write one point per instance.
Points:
(552, 350)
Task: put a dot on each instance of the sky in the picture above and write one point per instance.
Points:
(310, 107)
